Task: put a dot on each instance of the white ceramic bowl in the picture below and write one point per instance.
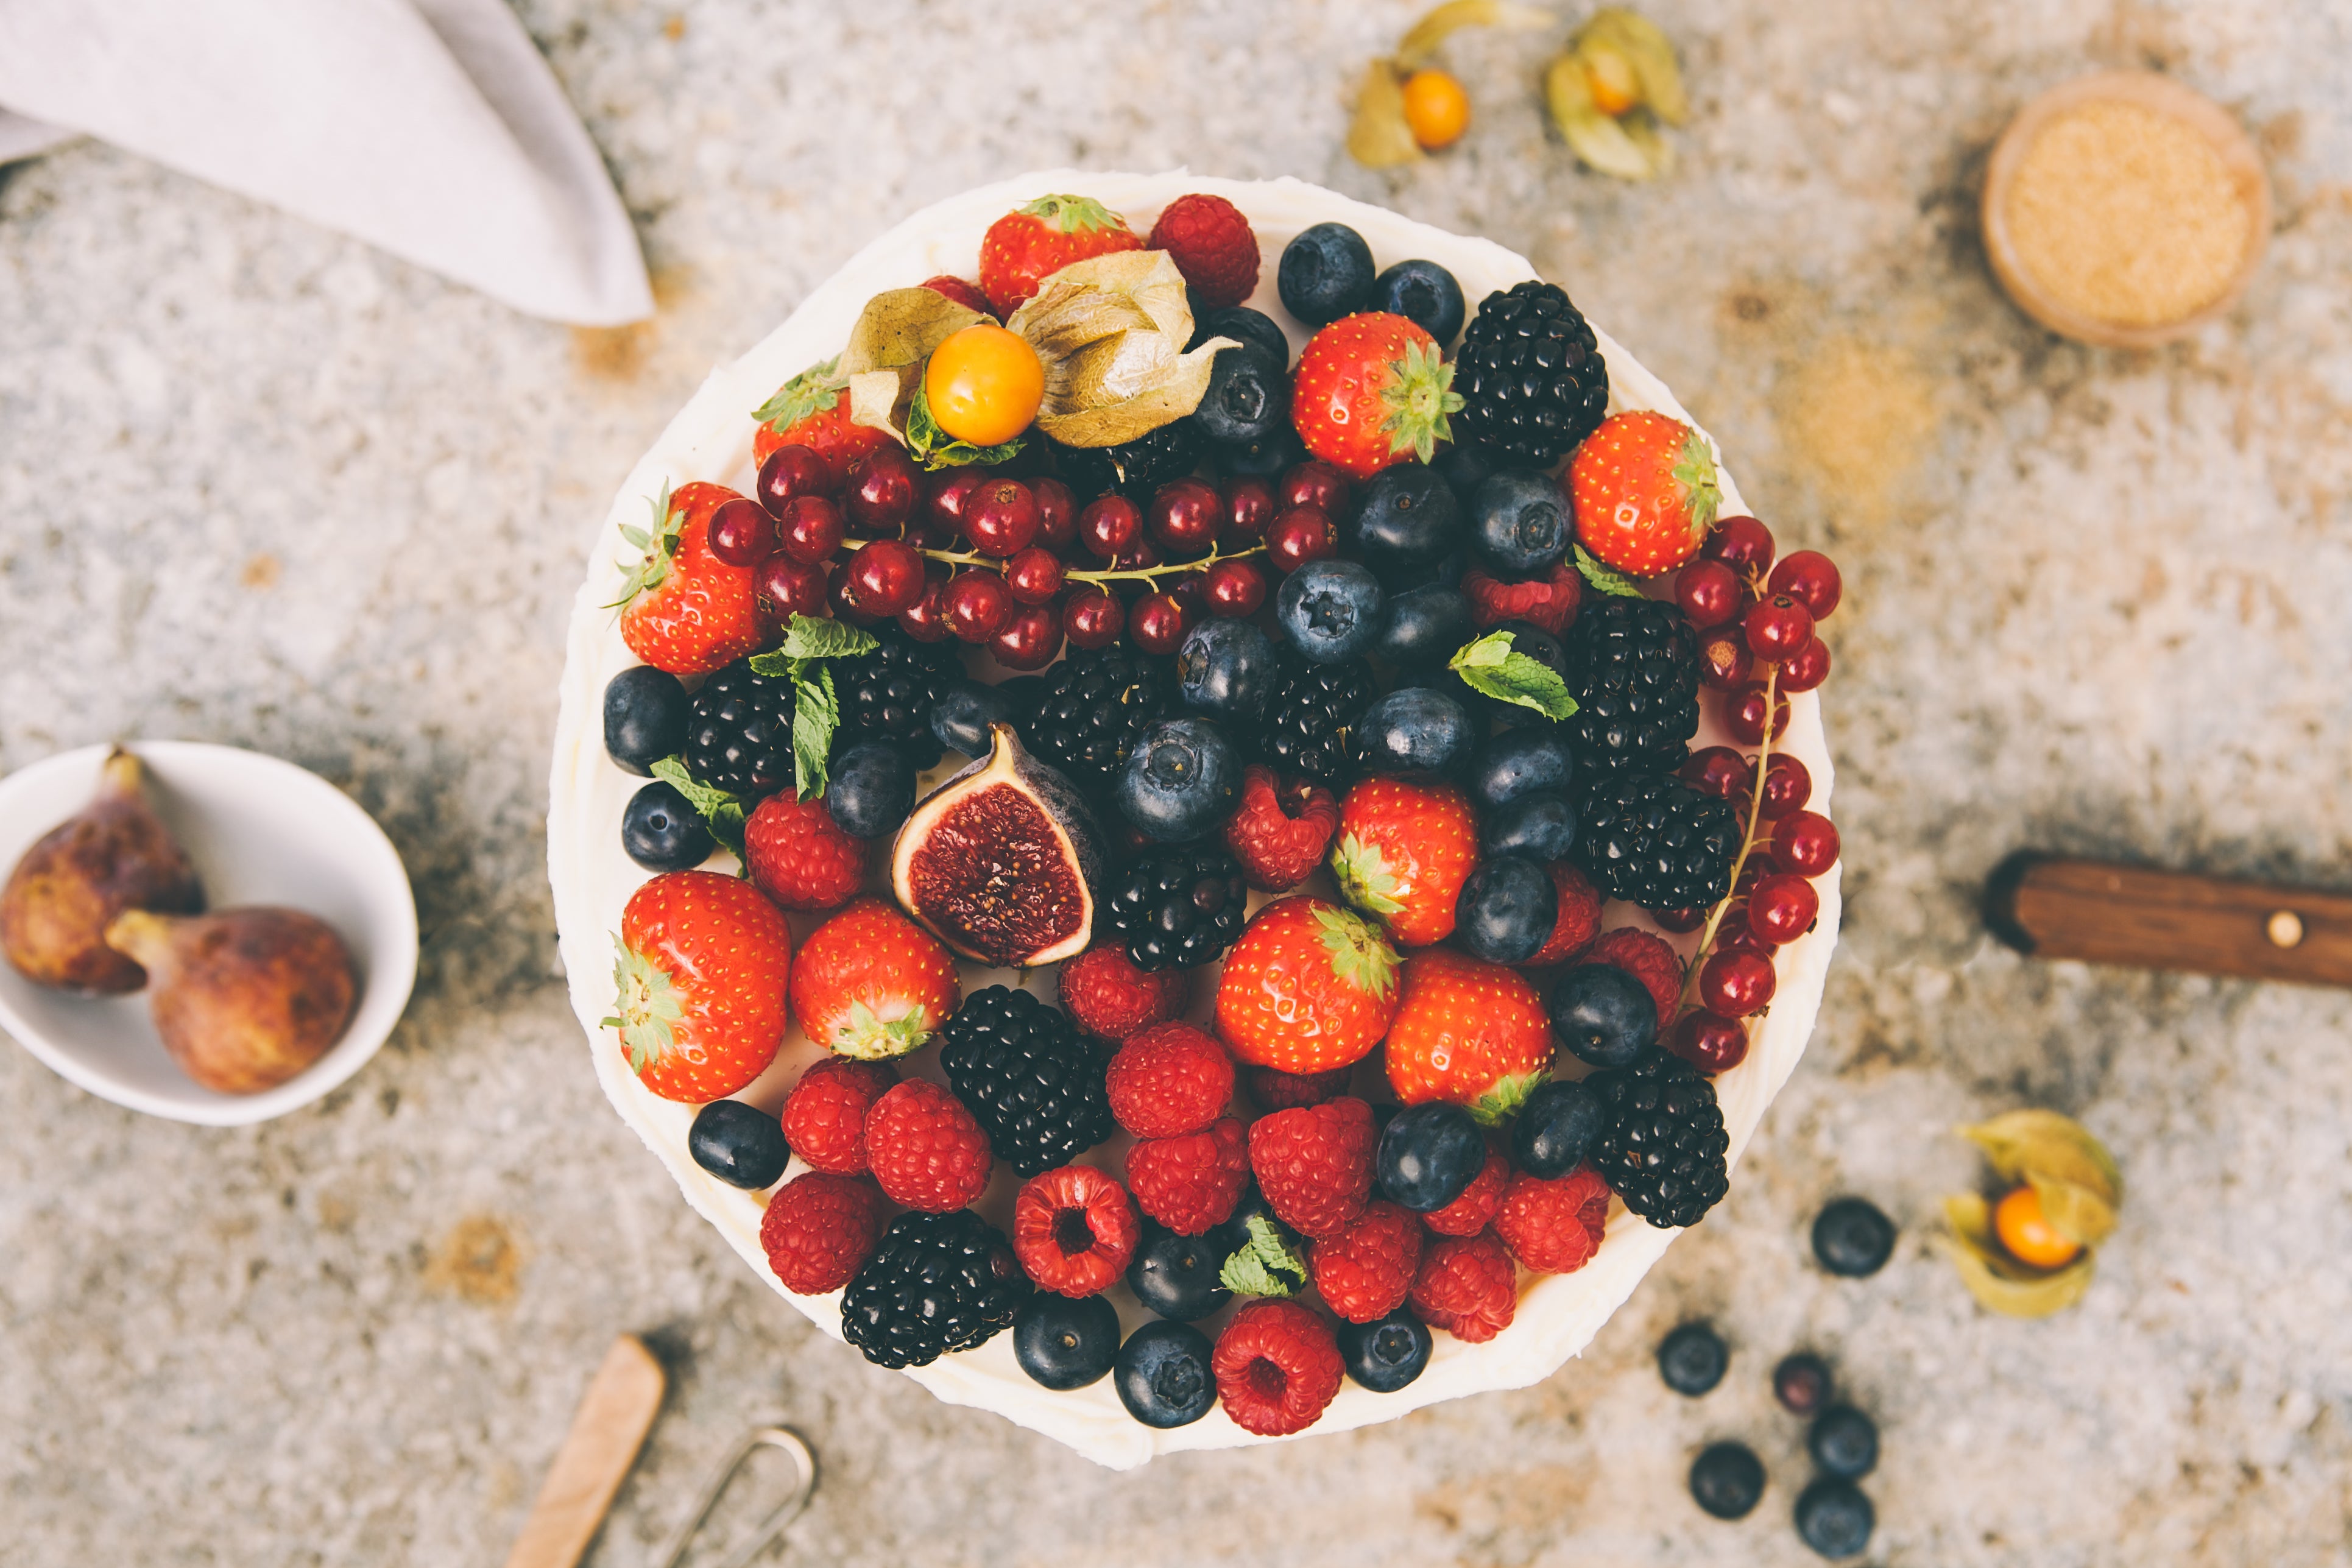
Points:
(260, 831)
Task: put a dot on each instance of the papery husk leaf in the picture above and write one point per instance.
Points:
(1998, 1282)
(1637, 38)
(2025, 1143)
(1601, 141)
(1380, 137)
(1421, 40)
(2073, 1211)
(879, 399)
(894, 336)
(1110, 333)
(1641, 128)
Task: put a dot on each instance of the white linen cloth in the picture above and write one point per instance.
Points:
(431, 128)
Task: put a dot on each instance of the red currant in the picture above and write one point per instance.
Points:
(1741, 543)
(1778, 628)
(1035, 576)
(1249, 507)
(812, 528)
(1158, 623)
(884, 577)
(1788, 784)
(978, 606)
(1708, 593)
(1811, 579)
(1092, 618)
(790, 472)
(944, 495)
(1743, 714)
(1807, 667)
(1681, 922)
(787, 587)
(1711, 1042)
(837, 601)
(1806, 842)
(1314, 484)
(1184, 515)
(1191, 590)
(1001, 518)
(1782, 908)
(1736, 935)
(741, 533)
(1736, 983)
(1139, 553)
(1724, 661)
(881, 491)
(1109, 525)
(1236, 588)
(1029, 640)
(1301, 535)
(1719, 770)
(926, 620)
(1058, 513)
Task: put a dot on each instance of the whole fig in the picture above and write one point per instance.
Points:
(116, 855)
(244, 998)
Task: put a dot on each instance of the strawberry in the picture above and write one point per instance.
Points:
(812, 410)
(1554, 1227)
(1191, 1183)
(1363, 1271)
(1469, 1031)
(1108, 997)
(1647, 959)
(1550, 601)
(872, 983)
(1314, 1163)
(1309, 988)
(704, 965)
(1404, 851)
(1213, 247)
(682, 608)
(1644, 492)
(1579, 917)
(963, 290)
(1025, 246)
(1372, 390)
(1282, 829)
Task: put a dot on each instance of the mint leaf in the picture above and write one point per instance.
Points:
(809, 638)
(817, 713)
(1493, 665)
(1608, 579)
(934, 449)
(721, 812)
(1266, 1267)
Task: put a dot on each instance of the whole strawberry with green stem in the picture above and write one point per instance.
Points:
(1372, 390)
(871, 984)
(1646, 493)
(812, 410)
(1403, 852)
(1469, 1031)
(1030, 244)
(682, 608)
(704, 965)
(1309, 988)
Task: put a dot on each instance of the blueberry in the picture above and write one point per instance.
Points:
(1248, 397)
(1182, 780)
(1802, 1383)
(1507, 908)
(1603, 1015)
(1326, 273)
(870, 790)
(662, 833)
(960, 720)
(1517, 762)
(1242, 325)
(1226, 668)
(1406, 522)
(1276, 453)
(1177, 1276)
(644, 717)
(1415, 729)
(1164, 1376)
(1852, 1239)
(1728, 1480)
(1541, 828)
(1834, 1518)
(1386, 1353)
(1556, 1129)
(1691, 1360)
(1425, 625)
(1518, 521)
(1428, 1155)
(1062, 1344)
(740, 1144)
(1539, 644)
(1844, 1443)
(1423, 293)
(1331, 609)
(1465, 468)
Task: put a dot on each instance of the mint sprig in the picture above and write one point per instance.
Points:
(1608, 579)
(721, 811)
(1264, 1267)
(1491, 664)
(816, 708)
(935, 448)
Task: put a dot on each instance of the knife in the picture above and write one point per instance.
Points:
(2051, 906)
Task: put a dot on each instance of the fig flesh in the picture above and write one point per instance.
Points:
(244, 998)
(116, 855)
(1001, 862)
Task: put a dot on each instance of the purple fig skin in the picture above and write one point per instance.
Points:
(244, 998)
(117, 855)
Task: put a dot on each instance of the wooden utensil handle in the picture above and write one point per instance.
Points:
(2053, 907)
(607, 1429)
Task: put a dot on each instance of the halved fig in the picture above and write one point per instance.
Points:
(1001, 862)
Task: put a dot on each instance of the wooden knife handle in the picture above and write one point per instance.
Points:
(2052, 907)
(606, 1432)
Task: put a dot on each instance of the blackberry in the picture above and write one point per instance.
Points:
(1662, 1144)
(1094, 707)
(938, 1282)
(1132, 469)
(887, 694)
(1175, 908)
(1311, 716)
(1632, 667)
(1032, 1082)
(739, 732)
(1658, 843)
(1529, 372)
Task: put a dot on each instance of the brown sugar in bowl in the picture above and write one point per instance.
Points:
(2124, 209)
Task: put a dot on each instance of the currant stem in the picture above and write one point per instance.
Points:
(1746, 844)
(1139, 574)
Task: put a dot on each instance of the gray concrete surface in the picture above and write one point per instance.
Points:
(261, 485)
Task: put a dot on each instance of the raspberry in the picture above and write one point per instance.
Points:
(962, 290)
(1213, 247)
(1191, 1183)
(1363, 1272)
(1074, 1230)
(925, 1148)
(1277, 1366)
(1550, 601)
(1467, 1286)
(819, 1230)
(1274, 1089)
(1554, 1227)
(1578, 918)
(799, 857)
(1282, 830)
(1474, 1209)
(1170, 1080)
(824, 1116)
(1314, 1163)
(1647, 959)
(1108, 997)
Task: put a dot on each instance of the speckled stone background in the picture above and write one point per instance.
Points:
(261, 485)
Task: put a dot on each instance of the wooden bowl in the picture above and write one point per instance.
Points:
(2166, 97)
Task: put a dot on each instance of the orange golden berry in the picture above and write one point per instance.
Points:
(2028, 1234)
(985, 384)
(1436, 109)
